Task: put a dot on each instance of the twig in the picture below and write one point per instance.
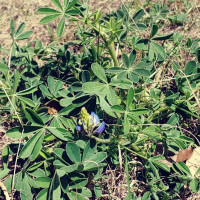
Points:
(5, 191)
(120, 157)
(20, 141)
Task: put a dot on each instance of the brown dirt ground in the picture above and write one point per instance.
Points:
(26, 11)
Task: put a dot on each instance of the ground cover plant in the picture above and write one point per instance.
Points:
(112, 114)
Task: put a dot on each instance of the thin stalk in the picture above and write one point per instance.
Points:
(103, 141)
(136, 153)
(10, 55)
(111, 48)
(120, 157)
(188, 112)
(4, 190)
(127, 176)
(157, 112)
(20, 141)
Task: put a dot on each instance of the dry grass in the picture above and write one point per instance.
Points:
(114, 183)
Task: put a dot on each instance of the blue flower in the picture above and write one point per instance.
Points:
(88, 122)
(94, 119)
(78, 128)
(101, 128)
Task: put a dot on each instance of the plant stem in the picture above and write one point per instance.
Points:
(103, 141)
(111, 48)
(136, 153)
(157, 112)
(20, 140)
(127, 176)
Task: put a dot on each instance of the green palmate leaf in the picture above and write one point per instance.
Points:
(140, 13)
(4, 173)
(45, 91)
(95, 88)
(58, 86)
(154, 30)
(183, 167)
(89, 150)
(85, 192)
(159, 49)
(139, 111)
(33, 117)
(97, 191)
(43, 182)
(66, 169)
(37, 173)
(126, 125)
(12, 28)
(67, 110)
(142, 72)
(151, 52)
(122, 83)
(57, 3)
(125, 60)
(163, 37)
(190, 67)
(141, 44)
(74, 195)
(78, 184)
(24, 35)
(146, 196)
(99, 72)
(42, 194)
(54, 189)
(161, 165)
(20, 29)
(112, 97)
(154, 170)
(132, 57)
(130, 97)
(73, 152)
(115, 70)
(66, 3)
(16, 132)
(29, 146)
(27, 101)
(64, 183)
(25, 189)
(48, 11)
(72, 12)
(60, 133)
(2, 94)
(49, 18)
(106, 107)
(60, 27)
(27, 91)
(4, 69)
(118, 109)
(81, 101)
(94, 161)
(51, 84)
(16, 80)
(61, 155)
(35, 166)
(5, 154)
(194, 185)
(38, 147)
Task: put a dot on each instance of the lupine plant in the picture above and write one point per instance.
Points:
(111, 104)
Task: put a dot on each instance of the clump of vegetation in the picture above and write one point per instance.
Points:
(119, 97)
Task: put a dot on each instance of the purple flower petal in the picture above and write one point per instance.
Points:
(101, 128)
(78, 128)
(96, 120)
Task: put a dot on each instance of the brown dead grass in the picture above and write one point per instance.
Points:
(26, 11)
